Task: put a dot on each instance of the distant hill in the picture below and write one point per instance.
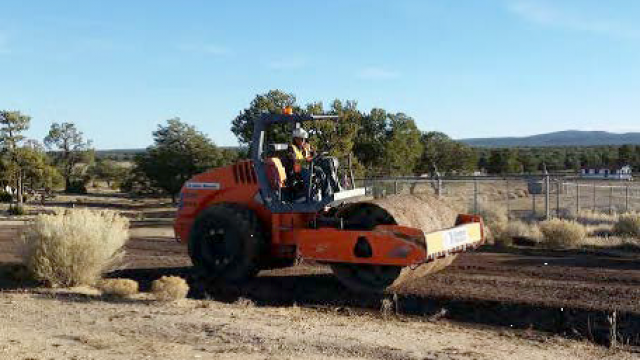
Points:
(120, 151)
(559, 138)
(118, 154)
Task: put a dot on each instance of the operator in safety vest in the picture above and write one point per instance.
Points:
(300, 155)
(300, 152)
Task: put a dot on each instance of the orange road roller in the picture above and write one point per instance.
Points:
(267, 212)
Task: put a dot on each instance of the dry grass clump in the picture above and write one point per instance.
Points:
(496, 220)
(563, 233)
(590, 217)
(244, 302)
(628, 225)
(387, 307)
(118, 287)
(169, 288)
(612, 242)
(517, 229)
(74, 247)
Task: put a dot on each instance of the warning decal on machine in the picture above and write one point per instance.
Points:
(455, 237)
(203, 185)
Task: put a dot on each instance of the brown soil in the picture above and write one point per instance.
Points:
(580, 279)
(521, 288)
(80, 324)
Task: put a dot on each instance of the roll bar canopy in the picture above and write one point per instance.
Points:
(269, 196)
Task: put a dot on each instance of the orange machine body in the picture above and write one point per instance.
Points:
(294, 235)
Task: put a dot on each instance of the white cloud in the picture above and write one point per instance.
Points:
(288, 63)
(209, 49)
(377, 73)
(544, 13)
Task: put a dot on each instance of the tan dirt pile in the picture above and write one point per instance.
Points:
(421, 211)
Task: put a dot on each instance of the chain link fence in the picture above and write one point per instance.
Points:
(531, 196)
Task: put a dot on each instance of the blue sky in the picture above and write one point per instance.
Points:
(470, 68)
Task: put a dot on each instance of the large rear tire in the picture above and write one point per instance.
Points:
(226, 244)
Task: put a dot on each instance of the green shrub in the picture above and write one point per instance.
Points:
(76, 187)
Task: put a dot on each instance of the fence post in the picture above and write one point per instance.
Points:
(547, 191)
(558, 198)
(577, 197)
(475, 195)
(610, 199)
(395, 187)
(508, 199)
(533, 205)
(626, 198)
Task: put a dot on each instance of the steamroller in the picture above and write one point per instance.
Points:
(255, 215)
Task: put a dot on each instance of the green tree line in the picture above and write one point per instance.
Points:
(63, 159)
(382, 144)
(556, 159)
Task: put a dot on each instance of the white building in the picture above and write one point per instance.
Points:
(623, 173)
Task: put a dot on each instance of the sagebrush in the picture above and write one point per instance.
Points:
(74, 247)
(560, 233)
(627, 225)
(169, 288)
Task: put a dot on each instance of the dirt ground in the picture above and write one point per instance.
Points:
(305, 313)
(39, 325)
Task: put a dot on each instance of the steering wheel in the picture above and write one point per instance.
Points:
(319, 180)
(319, 155)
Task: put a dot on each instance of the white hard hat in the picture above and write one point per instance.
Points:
(300, 133)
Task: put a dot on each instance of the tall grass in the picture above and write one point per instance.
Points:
(628, 225)
(73, 247)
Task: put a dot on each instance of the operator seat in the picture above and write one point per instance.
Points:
(275, 173)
